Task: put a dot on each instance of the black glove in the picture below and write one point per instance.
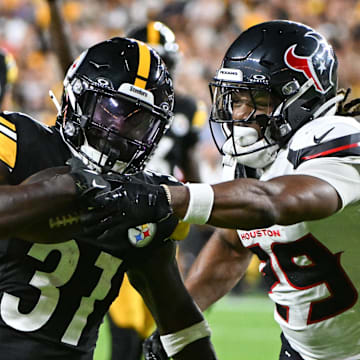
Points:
(153, 349)
(88, 182)
(130, 204)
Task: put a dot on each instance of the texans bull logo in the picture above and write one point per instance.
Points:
(313, 66)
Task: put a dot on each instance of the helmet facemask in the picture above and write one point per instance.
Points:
(112, 130)
(243, 112)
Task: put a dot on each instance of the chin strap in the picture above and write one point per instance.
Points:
(228, 167)
(55, 101)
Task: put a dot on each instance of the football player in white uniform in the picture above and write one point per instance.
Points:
(277, 101)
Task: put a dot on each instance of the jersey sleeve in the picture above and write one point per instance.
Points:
(181, 231)
(341, 173)
(8, 142)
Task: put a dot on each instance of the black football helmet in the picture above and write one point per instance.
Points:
(292, 63)
(8, 72)
(161, 38)
(117, 103)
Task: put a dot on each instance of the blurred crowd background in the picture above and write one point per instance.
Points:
(203, 28)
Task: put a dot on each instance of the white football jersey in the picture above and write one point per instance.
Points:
(313, 268)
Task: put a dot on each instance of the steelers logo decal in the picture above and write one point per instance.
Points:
(142, 235)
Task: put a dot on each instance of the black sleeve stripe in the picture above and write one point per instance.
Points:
(344, 146)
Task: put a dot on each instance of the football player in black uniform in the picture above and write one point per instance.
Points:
(130, 320)
(116, 105)
(8, 75)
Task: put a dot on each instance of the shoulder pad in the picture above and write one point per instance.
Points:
(322, 130)
(12, 125)
(330, 136)
(15, 117)
(348, 145)
(8, 139)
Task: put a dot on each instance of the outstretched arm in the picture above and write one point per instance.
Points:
(217, 269)
(159, 282)
(251, 204)
(238, 204)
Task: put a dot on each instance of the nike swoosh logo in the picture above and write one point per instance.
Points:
(317, 140)
(96, 185)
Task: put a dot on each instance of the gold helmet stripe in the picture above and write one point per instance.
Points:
(153, 35)
(7, 142)
(144, 65)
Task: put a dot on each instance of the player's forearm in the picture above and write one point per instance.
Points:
(216, 271)
(243, 204)
(24, 204)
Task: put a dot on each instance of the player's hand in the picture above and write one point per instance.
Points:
(153, 349)
(88, 182)
(130, 204)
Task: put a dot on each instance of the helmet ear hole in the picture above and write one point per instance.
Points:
(73, 133)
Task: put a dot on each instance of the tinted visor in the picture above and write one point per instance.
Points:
(120, 126)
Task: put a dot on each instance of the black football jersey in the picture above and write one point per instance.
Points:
(189, 118)
(53, 297)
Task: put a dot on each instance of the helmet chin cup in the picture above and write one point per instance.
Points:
(246, 148)
(99, 161)
(242, 136)
(245, 135)
(258, 155)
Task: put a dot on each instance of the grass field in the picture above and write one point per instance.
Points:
(243, 329)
